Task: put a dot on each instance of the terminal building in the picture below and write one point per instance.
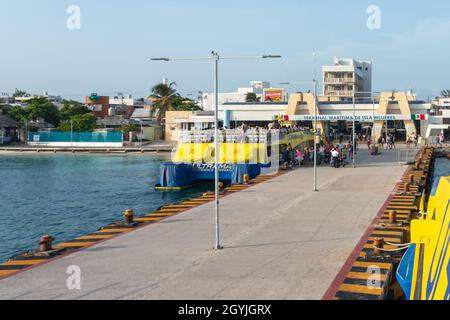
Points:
(347, 92)
(395, 111)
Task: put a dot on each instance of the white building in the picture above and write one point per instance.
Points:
(379, 115)
(257, 87)
(437, 125)
(55, 99)
(442, 103)
(5, 98)
(127, 101)
(345, 77)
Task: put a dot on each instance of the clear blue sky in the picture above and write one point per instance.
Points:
(110, 52)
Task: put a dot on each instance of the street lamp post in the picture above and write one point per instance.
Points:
(373, 115)
(314, 83)
(215, 57)
(26, 132)
(71, 132)
(354, 130)
(315, 135)
(142, 133)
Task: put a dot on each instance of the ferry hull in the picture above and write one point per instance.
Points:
(174, 176)
(424, 271)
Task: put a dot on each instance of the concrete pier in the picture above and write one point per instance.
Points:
(281, 241)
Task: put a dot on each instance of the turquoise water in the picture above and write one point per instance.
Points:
(72, 195)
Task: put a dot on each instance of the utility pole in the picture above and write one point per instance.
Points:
(354, 130)
(215, 58)
(315, 135)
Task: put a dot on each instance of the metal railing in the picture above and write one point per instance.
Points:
(339, 80)
(339, 93)
(251, 135)
(45, 137)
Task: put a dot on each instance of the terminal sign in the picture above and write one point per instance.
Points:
(362, 118)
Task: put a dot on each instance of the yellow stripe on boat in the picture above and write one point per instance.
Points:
(431, 235)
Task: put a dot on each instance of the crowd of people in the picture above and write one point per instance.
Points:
(327, 154)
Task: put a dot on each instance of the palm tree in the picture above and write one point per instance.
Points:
(162, 96)
(445, 93)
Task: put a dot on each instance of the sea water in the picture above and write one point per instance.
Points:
(72, 195)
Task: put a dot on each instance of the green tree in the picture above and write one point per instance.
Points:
(41, 108)
(72, 108)
(163, 98)
(17, 113)
(251, 97)
(445, 93)
(184, 104)
(80, 123)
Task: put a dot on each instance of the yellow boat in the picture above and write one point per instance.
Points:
(239, 153)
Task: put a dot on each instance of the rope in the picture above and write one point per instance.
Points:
(398, 244)
(391, 250)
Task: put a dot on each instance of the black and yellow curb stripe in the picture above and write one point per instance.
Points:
(19, 264)
(366, 281)
(27, 260)
(360, 283)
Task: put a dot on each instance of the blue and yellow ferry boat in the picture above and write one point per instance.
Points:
(240, 153)
(424, 271)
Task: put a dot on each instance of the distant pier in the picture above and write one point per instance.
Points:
(120, 150)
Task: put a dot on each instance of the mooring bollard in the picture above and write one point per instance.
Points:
(407, 187)
(417, 165)
(128, 216)
(246, 178)
(45, 243)
(392, 217)
(377, 245)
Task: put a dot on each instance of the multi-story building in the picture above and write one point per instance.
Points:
(99, 105)
(442, 102)
(346, 77)
(125, 105)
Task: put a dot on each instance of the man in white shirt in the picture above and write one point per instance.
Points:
(334, 157)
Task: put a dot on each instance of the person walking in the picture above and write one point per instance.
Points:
(441, 139)
(334, 158)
